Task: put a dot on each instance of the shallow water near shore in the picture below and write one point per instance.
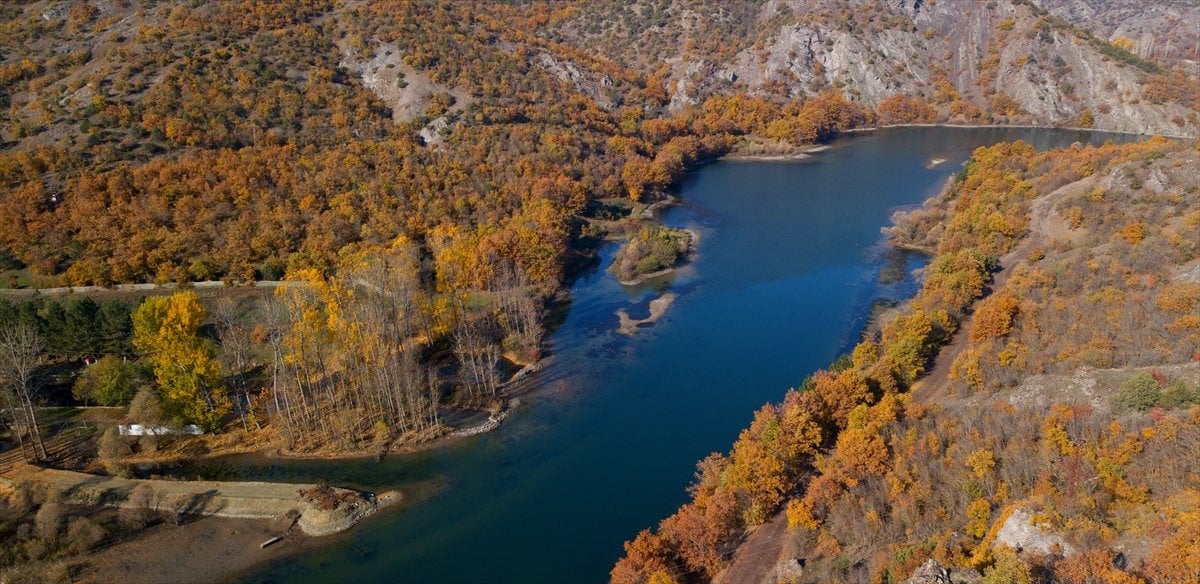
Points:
(784, 279)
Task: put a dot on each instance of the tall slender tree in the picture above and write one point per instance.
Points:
(22, 351)
(234, 334)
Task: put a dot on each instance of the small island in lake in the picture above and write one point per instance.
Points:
(653, 251)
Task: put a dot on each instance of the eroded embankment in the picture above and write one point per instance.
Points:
(321, 510)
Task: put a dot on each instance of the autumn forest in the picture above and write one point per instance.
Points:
(327, 228)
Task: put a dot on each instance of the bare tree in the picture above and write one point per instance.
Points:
(519, 306)
(235, 348)
(347, 353)
(21, 353)
(8, 413)
(477, 354)
(276, 322)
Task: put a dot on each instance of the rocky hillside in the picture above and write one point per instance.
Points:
(1048, 441)
(976, 62)
(1163, 31)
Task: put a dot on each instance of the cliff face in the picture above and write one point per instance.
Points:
(1163, 30)
(1006, 61)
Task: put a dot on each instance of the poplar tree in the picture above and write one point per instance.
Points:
(166, 330)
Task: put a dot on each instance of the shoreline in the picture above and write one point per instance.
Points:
(869, 129)
(798, 153)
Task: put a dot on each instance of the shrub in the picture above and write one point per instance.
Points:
(48, 521)
(112, 449)
(83, 535)
(108, 382)
(1179, 394)
(139, 508)
(1140, 392)
(1008, 569)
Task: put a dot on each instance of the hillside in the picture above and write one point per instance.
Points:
(1062, 292)
(413, 182)
(1159, 31)
(332, 124)
(974, 62)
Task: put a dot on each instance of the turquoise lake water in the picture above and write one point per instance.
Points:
(606, 444)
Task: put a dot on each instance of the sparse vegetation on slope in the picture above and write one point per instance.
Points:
(876, 482)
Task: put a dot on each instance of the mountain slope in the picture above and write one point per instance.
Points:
(1165, 31)
(1073, 398)
(1002, 61)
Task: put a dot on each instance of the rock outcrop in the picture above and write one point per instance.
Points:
(785, 571)
(933, 572)
(1005, 61)
(594, 85)
(1020, 533)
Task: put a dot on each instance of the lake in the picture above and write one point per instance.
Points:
(788, 269)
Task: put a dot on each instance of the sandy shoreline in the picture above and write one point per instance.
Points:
(1014, 126)
(658, 307)
(799, 154)
(205, 549)
(221, 527)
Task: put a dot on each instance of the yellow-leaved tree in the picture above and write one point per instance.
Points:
(166, 330)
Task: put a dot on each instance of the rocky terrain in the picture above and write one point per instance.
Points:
(1000, 61)
(1166, 30)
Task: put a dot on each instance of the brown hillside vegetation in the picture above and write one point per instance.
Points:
(236, 147)
(233, 140)
(416, 257)
(873, 484)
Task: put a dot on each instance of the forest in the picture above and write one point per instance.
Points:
(254, 158)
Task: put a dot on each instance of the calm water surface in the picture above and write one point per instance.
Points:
(787, 271)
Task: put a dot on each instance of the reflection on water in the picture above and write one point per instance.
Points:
(788, 268)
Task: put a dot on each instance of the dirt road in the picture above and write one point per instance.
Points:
(1045, 225)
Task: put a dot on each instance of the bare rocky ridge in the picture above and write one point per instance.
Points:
(985, 49)
(1090, 386)
(1165, 30)
(1020, 532)
(933, 572)
(405, 90)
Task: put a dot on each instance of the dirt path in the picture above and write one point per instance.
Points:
(1044, 226)
(757, 556)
